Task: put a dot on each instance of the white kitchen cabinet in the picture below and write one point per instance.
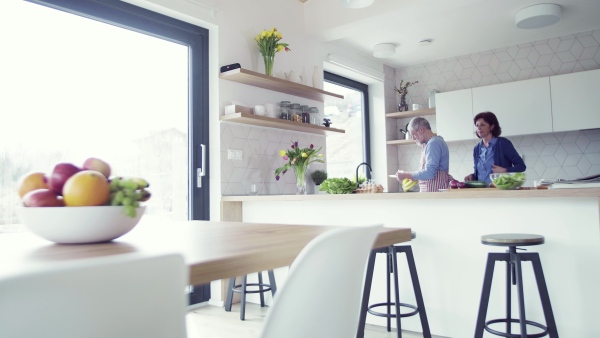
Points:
(522, 107)
(454, 115)
(576, 101)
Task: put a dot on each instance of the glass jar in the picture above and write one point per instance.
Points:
(305, 114)
(314, 115)
(284, 109)
(296, 112)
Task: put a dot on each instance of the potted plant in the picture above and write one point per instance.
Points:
(318, 176)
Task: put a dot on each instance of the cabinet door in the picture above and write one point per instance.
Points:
(576, 100)
(454, 115)
(522, 107)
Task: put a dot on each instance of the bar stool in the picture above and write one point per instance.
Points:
(514, 276)
(392, 272)
(243, 290)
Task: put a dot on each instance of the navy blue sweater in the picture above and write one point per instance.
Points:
(505, 155)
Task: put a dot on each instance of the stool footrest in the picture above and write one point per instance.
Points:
(267, 287)
(515, 335)
(392, 315)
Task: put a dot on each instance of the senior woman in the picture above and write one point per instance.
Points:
(494, 154)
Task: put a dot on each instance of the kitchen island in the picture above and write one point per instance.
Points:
(449, 256)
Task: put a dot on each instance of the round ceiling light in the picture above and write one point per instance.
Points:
(357, 3)
(384, 50)
(537, 16)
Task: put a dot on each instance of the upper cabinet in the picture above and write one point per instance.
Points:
(279, 85)
(454, 115)
(522, 107)
(576, 101)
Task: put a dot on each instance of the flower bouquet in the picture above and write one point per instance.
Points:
(403, 90)
(298, 159)
(268, 44)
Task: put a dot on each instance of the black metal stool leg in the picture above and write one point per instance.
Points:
(260, 288)
(360, 332)
(272, 283)
(544, 295)
(243, 300)
(397, 290)
(229, 299)
(485, 292)
(417, 290)
(509, 278)
(516, 259)
(389, 276)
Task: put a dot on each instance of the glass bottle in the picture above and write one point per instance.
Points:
(296, 112)
(305, 114)
(314, 115)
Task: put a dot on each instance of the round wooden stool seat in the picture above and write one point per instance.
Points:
(512, 239)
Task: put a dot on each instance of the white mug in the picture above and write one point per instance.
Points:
(259, 109)
(270, 109)
(416, 106)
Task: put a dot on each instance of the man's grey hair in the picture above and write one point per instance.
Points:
(417, 122)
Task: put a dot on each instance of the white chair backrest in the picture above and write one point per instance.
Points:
(321, 296)
(123, 296)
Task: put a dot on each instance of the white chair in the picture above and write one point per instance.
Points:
(322, 294)
(122, 296)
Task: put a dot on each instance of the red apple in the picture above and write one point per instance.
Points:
(61, 173)
(97, 165)
(42, 198)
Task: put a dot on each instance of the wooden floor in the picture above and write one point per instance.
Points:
(214, 322)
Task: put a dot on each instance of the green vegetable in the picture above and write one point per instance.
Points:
(338, 186)
(509, 182)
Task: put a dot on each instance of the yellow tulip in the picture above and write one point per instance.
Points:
(263, 34)
(257, 37)
(304, 155)
(320, 155)
(279, 35)
(269, 34)
(279, 48)
(282, 152)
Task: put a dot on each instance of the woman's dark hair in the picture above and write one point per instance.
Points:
(491, 119)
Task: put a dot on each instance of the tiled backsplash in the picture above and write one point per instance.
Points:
(554, 155)
(260, 147)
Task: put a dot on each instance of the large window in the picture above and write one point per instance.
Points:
(129, 86)
(346, 151)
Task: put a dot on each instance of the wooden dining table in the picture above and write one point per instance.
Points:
(212, 250)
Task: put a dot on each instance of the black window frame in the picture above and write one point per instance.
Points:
(366, 130)
(127, 16)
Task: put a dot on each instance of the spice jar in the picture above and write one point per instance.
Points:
(314, 115)
(296, 112)
(305, 114)
(284, 109)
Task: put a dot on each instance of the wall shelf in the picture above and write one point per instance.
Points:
(279, 85)
(400, 142)
(263, 121)
(411, 113)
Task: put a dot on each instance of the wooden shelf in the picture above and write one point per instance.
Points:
(400, 142)
(411, 113)
(279, 85)
(263, 121)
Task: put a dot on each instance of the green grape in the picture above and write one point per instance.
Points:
(137, 196)
(136, 204)
(129, 192)
(114, 184)
(130, 211)
(118, 198)
(127, 201)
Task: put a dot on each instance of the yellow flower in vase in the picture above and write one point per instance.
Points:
(298, 159)
(268, 44)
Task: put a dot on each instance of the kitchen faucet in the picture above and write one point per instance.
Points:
(370, 171)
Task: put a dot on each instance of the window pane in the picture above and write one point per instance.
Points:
(344, 151)
(73, 88)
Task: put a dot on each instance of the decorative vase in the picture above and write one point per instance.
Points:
(403, 106)
(269, 59)
(317, 79)
(300, 172)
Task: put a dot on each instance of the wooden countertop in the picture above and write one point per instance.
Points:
(461, 194)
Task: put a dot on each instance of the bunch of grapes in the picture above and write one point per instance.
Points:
(128, 192)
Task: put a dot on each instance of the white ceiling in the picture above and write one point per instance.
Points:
(457, 27)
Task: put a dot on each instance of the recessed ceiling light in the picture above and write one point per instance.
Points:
(537, 16)
(357, 3)
(384, 50)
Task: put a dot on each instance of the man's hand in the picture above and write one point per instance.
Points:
(469, 177)
(401, 175)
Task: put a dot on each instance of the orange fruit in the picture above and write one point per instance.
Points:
(86, 188)
(32, 181)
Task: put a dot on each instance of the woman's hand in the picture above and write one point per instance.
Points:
(498, 169)
(469, 177)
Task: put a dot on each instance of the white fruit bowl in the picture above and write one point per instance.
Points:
(79, 225)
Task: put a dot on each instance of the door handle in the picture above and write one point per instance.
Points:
(200, 172)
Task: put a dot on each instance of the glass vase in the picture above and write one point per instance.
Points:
(403, 106)
(300, 172)
(269, 59)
